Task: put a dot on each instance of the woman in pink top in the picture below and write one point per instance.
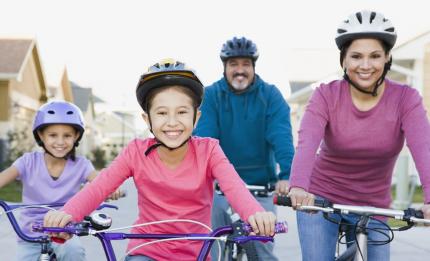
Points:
(359, 124)
(173, 172)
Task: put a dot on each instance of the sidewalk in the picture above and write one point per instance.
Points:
(411, 245)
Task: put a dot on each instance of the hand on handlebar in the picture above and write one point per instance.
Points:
(56, 218)
(117, 194)
(263, 223)
(426, 212)
(299, 197)
(282, 187)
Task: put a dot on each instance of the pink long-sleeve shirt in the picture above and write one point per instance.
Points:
(358, 149)
(185, 192)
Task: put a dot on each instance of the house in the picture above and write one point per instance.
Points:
(62, 89)
(22, 89)
(83, 98)
(118, 128)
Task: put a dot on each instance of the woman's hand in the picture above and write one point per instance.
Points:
(263, 223)
(56, 218)
(426, 211)
(299, 197)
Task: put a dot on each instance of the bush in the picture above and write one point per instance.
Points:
(17, 143)
(98, 158)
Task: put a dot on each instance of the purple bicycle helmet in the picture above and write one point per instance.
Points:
(58, 112)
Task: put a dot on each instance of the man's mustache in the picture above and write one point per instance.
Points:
(240, 74)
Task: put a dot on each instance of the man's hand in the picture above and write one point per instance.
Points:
(282, 187)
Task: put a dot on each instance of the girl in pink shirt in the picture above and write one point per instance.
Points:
(173, 172)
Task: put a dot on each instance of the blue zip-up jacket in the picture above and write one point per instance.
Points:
(253, 128)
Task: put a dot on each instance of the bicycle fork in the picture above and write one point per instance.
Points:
(362, 234)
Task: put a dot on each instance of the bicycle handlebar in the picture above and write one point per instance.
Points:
(99, 222)
(9, 208)
(409, 215)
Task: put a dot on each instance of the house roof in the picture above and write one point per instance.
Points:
(81, 96)
(14, 53)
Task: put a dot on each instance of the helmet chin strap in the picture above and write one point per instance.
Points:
(378, 83)
(160, 143)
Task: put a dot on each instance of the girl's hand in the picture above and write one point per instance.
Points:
(299, 197)
(263, 223)
(56, 218)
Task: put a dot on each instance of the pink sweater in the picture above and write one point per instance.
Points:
(183, 193)
(358, 149)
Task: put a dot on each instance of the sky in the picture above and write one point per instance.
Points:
(107, 45)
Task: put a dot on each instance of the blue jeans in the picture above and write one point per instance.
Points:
(318, 237)
(71, 250)
(220, 217)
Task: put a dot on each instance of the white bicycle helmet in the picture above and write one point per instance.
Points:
(366, 24)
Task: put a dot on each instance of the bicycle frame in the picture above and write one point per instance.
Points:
(85, 228)
(232, 250)
(411, 216)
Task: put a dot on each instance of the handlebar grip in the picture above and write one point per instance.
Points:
(284, 200)
(280, 227)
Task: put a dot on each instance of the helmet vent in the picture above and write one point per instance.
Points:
(372, 16)
(384, 19)
(51, 112)
(346, 21)
(341, 31)
(69, 112)
(359, 18)
(391, 29)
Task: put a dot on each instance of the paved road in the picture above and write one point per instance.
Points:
(411, 245)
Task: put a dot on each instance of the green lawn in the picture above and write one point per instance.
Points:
(417, 198)
(11, 192)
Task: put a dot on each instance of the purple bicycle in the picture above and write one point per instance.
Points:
(46, 253)
(97, 224)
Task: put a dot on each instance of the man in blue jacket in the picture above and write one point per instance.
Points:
(251, 120)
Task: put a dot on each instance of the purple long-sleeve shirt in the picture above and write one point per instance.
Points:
(358, 149)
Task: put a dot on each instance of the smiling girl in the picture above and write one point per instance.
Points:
(173, 172)
(52, 176)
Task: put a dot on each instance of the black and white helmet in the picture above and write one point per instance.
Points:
(366, 24)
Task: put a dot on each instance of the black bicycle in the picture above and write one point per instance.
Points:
(357, 249)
